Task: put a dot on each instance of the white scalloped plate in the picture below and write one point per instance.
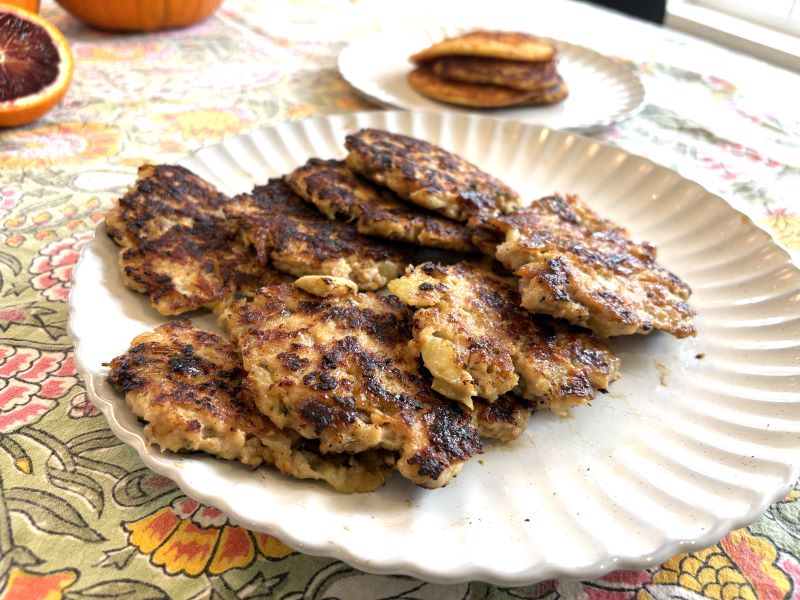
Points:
(602, 92)
(696, 438)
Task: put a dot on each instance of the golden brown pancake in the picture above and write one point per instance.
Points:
(336, 191)
(187, 269)
(577, 266)
(507, 45)
(296, 238)
(339, 369)
(476, 95)
(424, 81)
(518, 75)
(177, 246)
(476, 340)
(551, 95)
(504, 419)
(428, 175)
(165, 196)
(188, 386)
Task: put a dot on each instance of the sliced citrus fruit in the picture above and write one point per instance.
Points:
(31, 5)
(35, 66)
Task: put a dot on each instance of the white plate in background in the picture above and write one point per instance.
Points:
(696, 438)
(601, 91)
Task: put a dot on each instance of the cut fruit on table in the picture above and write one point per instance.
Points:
(31, 5)
(35, 66)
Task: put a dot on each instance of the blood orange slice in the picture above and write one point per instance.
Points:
(31, 5)
(35, 66)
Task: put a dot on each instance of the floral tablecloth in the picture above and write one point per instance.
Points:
(80, 517)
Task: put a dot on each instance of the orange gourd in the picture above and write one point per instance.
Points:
(140, 15)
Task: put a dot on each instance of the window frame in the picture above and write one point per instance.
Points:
(715, 21)
(766, 19)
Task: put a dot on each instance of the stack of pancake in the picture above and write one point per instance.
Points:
(489, 69)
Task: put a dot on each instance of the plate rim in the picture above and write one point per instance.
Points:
(629, 78)
(540, 571)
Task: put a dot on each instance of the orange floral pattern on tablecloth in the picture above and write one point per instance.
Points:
(62, 144)
(44, 225)
(731, 570)
(27, 585)
(123, 51)
(207, 124)
(191, 538)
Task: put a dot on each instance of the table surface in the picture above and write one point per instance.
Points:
(80, 517)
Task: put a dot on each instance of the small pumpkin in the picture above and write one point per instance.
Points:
(140, 15)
